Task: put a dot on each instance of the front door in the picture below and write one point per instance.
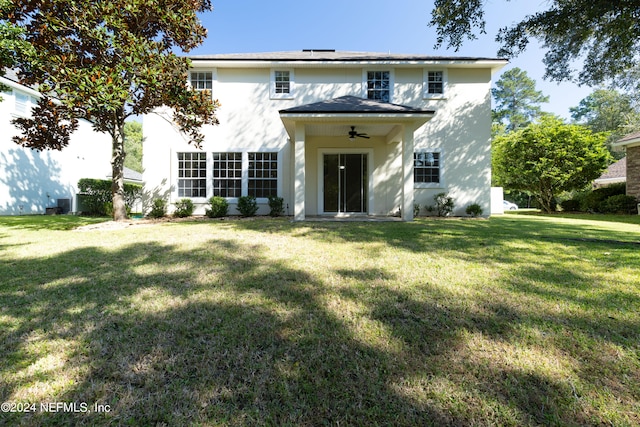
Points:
(345, 183)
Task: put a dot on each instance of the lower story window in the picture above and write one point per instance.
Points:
(263, 174)
(227, 174)
(426, 167)
(192, 175)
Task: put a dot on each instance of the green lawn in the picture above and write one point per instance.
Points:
(517, 320)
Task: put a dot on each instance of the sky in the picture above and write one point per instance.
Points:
(400, 26)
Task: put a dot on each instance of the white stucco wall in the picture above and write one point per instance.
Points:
(461, 129)
(249, 121)
(30, 180)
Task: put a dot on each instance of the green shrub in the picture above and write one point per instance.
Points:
(416, 209)
(571, 205)
(158, 209)
(620, 203)
(276, 204)
(219, 207)
(444, 204)
(595, 200)
(474, 210)
(184, 208)
(95, 196)
(247, 206)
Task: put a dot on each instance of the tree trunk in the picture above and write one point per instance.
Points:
(545, 199)
(117, 166)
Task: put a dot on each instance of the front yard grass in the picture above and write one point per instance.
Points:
(517, 320)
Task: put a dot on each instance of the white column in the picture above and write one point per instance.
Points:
(299, 173)
(407, 173)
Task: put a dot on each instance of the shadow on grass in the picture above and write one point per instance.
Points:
(227, 357)
(226, 335)
(612, 218)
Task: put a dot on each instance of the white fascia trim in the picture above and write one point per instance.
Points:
(394, 116)
(494, 65)
(15, 85)
(628, 143)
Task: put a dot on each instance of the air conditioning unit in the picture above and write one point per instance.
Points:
(64, 206)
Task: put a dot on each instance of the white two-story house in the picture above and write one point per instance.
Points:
(32, 181)
(333, 133)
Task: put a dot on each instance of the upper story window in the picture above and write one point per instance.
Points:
(378, 85)
(435, 83)
(202, 80)
(192, 174)
(282, 84)
(426, 167)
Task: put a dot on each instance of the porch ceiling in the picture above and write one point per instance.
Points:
(340, 129)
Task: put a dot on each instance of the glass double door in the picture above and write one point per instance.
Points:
(345, 183)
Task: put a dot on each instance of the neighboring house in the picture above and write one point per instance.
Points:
(615, 173)
(130, 176)
(333, 133)
(31, 180)
(631, 143)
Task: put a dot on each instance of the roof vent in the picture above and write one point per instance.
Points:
(318, 50)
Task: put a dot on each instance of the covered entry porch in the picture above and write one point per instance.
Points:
(353, 156)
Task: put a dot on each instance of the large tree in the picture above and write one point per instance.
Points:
(517, 102)
(12, 43)
(104, 61)
(607, 110)
(549, 157)
(603, 34)
(133, 145)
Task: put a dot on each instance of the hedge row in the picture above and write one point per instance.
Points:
(96, 199)
(610, 199)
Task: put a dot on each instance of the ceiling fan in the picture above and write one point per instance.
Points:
(353, 134)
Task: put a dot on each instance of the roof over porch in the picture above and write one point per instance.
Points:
(334, 117)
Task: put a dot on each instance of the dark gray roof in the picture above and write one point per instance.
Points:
(332, 55)
(630, 137)
(616, 170)
(130, 175)
(353, 104)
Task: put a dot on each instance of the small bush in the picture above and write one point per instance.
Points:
(247, 206)
(158, 209)
(219, 207)
(620, 203)
(595, 200)
(416, 209)
(474, 210)
(444, 204)
(276, 204)
(571, 205)
(184, 208)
